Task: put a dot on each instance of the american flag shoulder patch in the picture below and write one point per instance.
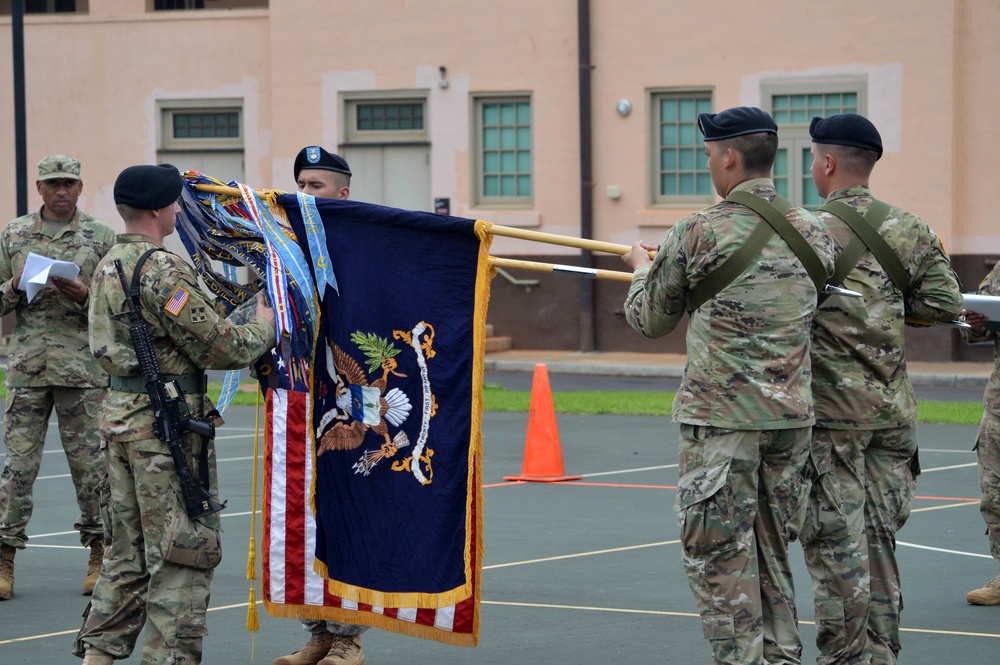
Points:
(177, 301)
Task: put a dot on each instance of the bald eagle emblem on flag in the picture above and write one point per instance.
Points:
(353, 405)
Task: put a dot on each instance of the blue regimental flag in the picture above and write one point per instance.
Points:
(397, 405)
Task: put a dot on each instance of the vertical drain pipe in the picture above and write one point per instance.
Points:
(587, 286)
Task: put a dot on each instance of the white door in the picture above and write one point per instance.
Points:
(396, 175)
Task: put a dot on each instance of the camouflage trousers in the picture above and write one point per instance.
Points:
(26, 422)
(160, 563)
(862, 487)
(735, 497)
(988, 455)
(317, 627)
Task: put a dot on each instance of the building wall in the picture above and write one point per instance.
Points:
(94, 80)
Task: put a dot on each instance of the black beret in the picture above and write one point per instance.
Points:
(315, 157)
(148, 187)
(848, 129)
(736, 121)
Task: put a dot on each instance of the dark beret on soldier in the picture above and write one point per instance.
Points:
(848, 129)
(148, 187)
(315, 157)
(737, 121)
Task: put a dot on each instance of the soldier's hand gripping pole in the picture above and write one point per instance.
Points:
(167, 399)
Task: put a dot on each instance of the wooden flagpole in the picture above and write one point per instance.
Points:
(510, 232)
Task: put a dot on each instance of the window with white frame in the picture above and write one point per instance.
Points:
(202, 125)
(793, 106)
(502, 167)
(679, 167)
(385, 119)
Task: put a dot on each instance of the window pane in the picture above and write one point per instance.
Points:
(491, 162)
(524, 185)
(507, 185)
(523, 161)
(491, 113)
(524, 137)
(507, 162)
(507, 114)
(524, 113)
(491, 185)
(704, 184)
(686, 159)
(491, 140)
(507, 138)
(668, 185)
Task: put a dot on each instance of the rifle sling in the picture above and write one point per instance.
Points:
(867, 237)
(134, 293)
(774, 214)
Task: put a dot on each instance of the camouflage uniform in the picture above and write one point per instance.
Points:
(988, 442)
(160, 562)
(50, 366)
(863, 454)
(745, 409)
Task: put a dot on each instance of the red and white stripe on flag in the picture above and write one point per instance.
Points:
(291, 586)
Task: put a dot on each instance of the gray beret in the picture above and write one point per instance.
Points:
(148, 187)
(736, 121)
(848, 129)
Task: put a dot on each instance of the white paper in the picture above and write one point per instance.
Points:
(988, 305)
(39, 269)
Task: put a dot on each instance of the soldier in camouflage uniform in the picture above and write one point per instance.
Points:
(988, 442)
(160, 562)
(745, 404)
(50, 365)
(864, 447)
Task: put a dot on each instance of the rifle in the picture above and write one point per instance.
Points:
(171, 411)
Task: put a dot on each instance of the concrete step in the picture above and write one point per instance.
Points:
(495, 344)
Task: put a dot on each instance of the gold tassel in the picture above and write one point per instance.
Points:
(253, 623)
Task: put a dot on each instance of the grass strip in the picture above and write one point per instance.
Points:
(641, 403)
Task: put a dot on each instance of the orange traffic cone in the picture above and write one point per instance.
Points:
(542, 455)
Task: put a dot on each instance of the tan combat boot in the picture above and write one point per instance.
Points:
(314, 650)
(94, 656)
(93, 568)
(344, 650)
(6, 571)
(988, 595)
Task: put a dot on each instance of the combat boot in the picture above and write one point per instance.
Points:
(344, 650)
(988, 595)
(6, 571)
(93, 568)
(314, 650)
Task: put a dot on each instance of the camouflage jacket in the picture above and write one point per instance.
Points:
(189, 335)
(748, 347)
(49, 343)
(859, 364)
(989, 287)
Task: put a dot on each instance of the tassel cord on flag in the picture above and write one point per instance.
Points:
(253, 622)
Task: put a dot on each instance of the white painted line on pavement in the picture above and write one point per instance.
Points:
(943, 551)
